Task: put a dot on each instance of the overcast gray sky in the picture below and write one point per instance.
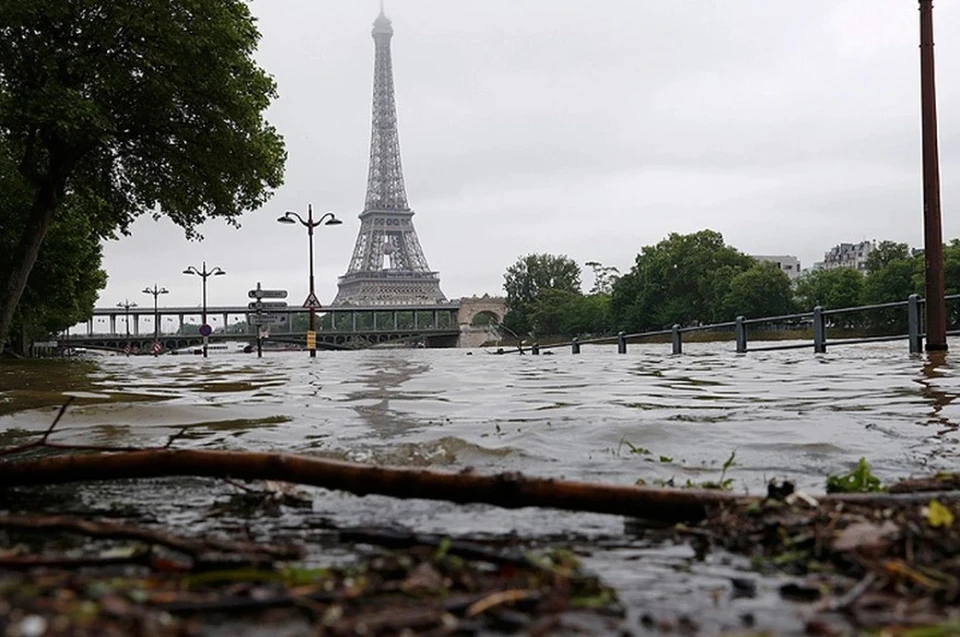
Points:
(589, 129)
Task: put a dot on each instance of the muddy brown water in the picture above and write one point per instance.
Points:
(597, 416)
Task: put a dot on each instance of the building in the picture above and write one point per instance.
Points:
(789, 264)
(848, 255)
(388, 266)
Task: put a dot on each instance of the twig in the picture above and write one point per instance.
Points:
(28, 562)
(191, 548)
(402, 539)
(63, 409)
(174, 437)
(42, 442)
(847, 599)
(498, 599)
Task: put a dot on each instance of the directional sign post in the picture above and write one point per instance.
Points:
(260, 317)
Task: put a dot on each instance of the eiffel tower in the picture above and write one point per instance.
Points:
(388, 267)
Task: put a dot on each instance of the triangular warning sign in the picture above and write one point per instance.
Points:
(312, 302)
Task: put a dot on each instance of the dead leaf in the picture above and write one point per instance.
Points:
(867, 538)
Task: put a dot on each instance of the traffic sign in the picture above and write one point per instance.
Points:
(268, 319)
(312, 302)
(266, 305)
(267, 294)
(205, 330)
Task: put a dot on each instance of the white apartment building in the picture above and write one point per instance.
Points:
(789, 264)
(848, 255)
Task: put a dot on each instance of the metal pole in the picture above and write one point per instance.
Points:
(819, 331)
(156, 323)
(313, 311)
(203, 318)
(741, 335)
(575, 345)
(932, 233)
(621, 343)
(913, 324)
(677, 339)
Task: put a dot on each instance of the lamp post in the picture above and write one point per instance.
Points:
(126, 305)
(156, 292)
(203, 273)
(932, 228)
(328, 219)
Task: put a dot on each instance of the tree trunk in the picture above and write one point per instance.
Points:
(41, 214)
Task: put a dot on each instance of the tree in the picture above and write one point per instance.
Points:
(130, 108)
(67, 276)
(683, 279)
(763, 290)
(525, 279)
(893, 277)
(885, 253)
(830, 289)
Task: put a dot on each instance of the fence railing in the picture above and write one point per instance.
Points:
(818, 319)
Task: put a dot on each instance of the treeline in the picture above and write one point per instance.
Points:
(696, 279)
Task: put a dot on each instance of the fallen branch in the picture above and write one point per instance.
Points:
(192, 548)
(507, 490)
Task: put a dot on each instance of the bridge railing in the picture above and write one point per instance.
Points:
(818, 320)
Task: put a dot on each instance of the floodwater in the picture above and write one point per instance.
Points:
(597, 416)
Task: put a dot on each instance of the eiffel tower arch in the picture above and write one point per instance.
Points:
(388, 266)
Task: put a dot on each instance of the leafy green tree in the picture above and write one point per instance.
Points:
(830, 289)
(885, 253)
(763, 290)
(683, 279)
(528, 277)
(893, 277)
(67, 275)
(130, 108)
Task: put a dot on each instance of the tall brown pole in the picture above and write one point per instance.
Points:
(932, 234)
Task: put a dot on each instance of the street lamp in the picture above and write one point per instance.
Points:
(155, 291)
(126, 305)
(328, 219)
(203, 273)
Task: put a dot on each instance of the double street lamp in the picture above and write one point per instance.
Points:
(203, 273)
(126, 305)
(156, 292)
(328, 219)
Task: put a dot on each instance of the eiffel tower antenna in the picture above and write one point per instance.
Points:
(388, 266)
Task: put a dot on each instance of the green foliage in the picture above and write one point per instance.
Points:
(762, 290)
(683, 279)
(830, 289)
(124, 108)
(67, 276)
(146, 106)
(528, 277)
(893, 276)
(860, 480)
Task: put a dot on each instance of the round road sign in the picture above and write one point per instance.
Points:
(205, 330)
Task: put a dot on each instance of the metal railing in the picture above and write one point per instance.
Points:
(818, 319)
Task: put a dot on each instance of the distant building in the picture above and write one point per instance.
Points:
(789, 264)
(848, 255)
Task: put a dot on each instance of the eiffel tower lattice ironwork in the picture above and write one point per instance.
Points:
(388, 267)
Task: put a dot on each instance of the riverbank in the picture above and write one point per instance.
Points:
(200, 556)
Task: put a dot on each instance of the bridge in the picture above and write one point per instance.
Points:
(463, 323)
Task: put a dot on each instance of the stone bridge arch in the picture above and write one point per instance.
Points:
(476, 316)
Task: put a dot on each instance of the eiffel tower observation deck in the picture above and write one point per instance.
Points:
(388, 267)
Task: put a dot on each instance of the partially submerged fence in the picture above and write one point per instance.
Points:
(819, 320)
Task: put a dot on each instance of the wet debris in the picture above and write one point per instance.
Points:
(421, 585)
(889, 566)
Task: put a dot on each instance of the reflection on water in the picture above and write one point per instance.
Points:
(597, 416)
